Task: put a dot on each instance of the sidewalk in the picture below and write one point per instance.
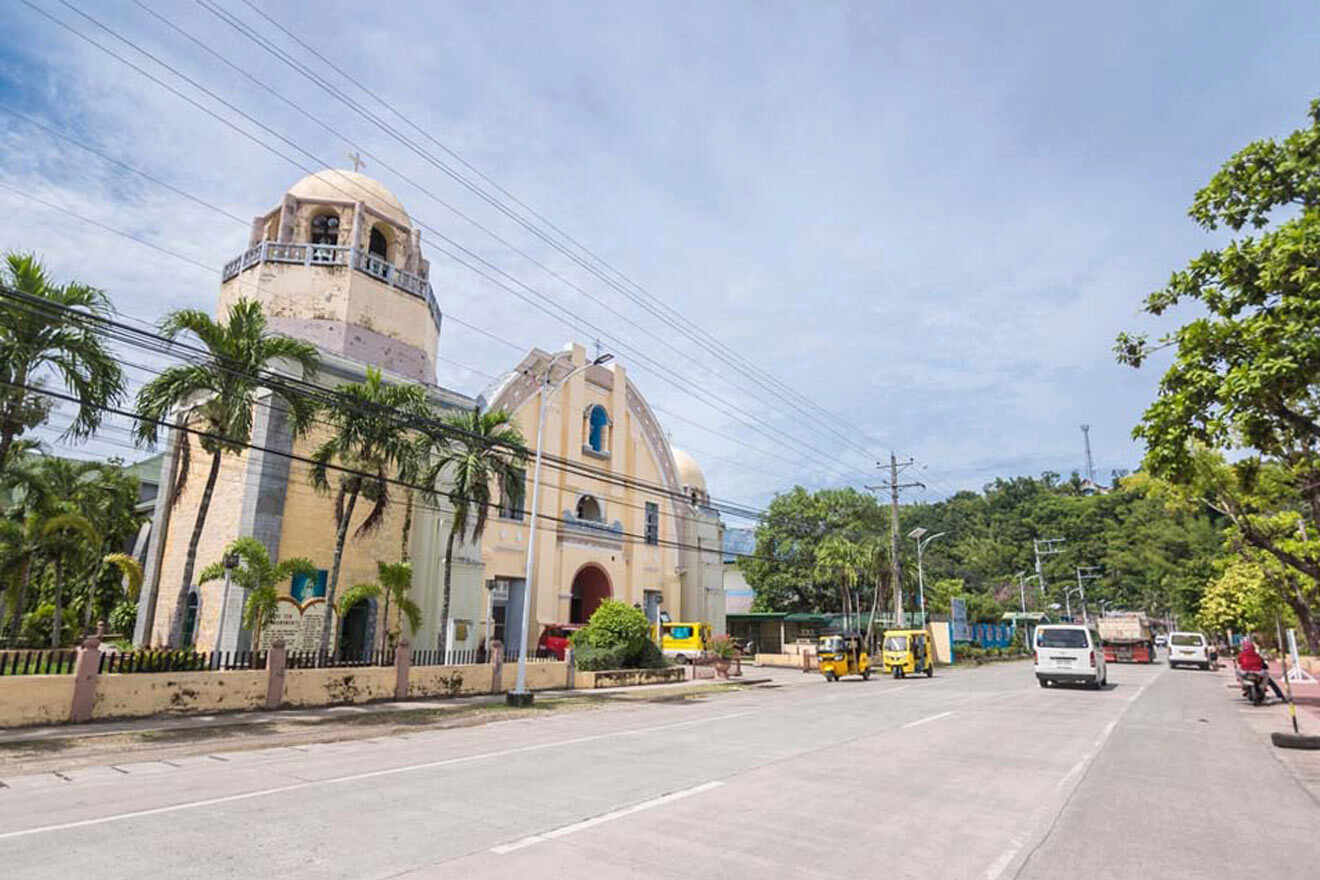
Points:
(161, 723)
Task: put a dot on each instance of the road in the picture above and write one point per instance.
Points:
(973, 774)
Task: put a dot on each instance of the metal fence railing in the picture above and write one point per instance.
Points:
(330, 659)
(38, 662)
(180, 661)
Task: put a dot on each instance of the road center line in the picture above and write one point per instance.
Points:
(603, 818)
(357, 777)
(928, 718)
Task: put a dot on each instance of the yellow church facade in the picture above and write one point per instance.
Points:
(338, 262)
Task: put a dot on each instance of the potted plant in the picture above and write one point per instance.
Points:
(723, 650)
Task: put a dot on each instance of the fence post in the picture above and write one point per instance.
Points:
(496, 666)
(86, 670)
(276, 658)
(572, 666)
(402, 663)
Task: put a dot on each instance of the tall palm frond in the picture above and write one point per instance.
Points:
(55, 330)
(218, 396)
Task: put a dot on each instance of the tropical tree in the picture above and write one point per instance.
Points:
(482, 451)
(842, 562)
(258, 578)
(215, 395)
(395, 580)
(64, 537)
(1244, 371)
(129, 572)
(368, 449)
(48, 329)
(20, 547)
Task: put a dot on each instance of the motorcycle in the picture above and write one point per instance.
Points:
(1253, 686)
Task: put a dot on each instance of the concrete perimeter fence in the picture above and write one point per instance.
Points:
(90, 693)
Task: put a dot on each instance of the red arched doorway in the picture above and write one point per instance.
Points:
(591, 586)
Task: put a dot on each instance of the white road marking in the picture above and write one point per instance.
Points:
(928, 718)
(357, 777)
(603, 818)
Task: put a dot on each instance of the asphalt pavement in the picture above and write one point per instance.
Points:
(973, 774)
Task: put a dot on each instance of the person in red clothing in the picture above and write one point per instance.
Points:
(1250, 660)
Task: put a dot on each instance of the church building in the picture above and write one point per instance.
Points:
(338, 262)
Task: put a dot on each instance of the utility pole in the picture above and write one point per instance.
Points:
(1044, 547)
(894, 486)
(1090, 463)
(1085, 572)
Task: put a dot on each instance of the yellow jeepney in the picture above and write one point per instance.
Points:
(840, 655)
(908, 652)
(684, 641)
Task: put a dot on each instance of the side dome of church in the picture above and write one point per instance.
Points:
(690, 476)
(338, 262)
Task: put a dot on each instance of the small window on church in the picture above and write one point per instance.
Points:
(325, 229)
(588, 508)
(598, 422)
(379, 245)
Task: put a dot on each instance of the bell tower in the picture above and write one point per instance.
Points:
(338, 262)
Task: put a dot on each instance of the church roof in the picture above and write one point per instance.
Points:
(340, 185)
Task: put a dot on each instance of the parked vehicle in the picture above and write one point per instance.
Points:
(908, 651)
(554, 640)
(1069, 653)
(1126, 638)
(684, 641)
(1189, 649)
(840, 655)
(1161, 639)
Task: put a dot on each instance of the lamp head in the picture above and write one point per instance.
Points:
(603, 359)
(918, 533)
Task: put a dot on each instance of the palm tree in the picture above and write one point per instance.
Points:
(842, 561)
(63, 537)
(217, 394)
(47, 328)
(369, 449)
(483, 449)
(130, 584)
(395, 580)
(20, 547)
(258, 577)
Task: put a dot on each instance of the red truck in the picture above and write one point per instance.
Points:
(1126, 638)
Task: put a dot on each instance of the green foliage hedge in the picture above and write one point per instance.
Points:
(618, 636)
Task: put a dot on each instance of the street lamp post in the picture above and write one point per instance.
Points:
(520, 696)
(920, 536)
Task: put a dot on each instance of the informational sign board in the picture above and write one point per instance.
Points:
(961, 631)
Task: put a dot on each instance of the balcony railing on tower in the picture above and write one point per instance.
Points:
(334, 255)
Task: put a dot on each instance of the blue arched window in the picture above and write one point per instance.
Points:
(598, 422)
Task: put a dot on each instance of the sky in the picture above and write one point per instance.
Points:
(928, 221)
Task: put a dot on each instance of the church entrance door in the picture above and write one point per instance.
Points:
(591, 586)
(353, 635)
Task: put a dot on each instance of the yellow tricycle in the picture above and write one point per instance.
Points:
(908, 652)
(840, 655)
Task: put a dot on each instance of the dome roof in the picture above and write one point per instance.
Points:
(338, 185)
(689, 474)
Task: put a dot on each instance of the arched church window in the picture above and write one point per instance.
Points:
(597, 422)
(379, 245)
(588, 508)
(325, 229)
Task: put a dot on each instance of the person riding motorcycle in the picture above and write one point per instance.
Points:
(1250, 660)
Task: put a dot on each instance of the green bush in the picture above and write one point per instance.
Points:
(616, 624)
(123, 617)
(651, 657)
(618, 636)
(595, 659)
(36, 626)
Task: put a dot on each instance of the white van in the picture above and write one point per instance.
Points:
(1069, 653)
(1190, 648)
